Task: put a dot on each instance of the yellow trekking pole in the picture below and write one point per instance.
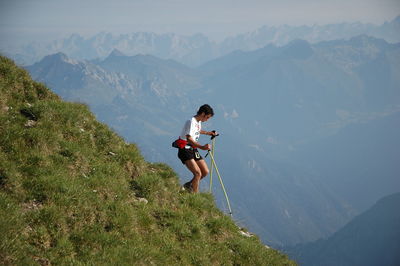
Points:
(212, 165)
(218, 174)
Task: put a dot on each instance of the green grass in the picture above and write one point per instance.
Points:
(70, 190)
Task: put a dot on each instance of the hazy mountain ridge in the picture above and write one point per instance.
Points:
(69, 74)
(196, 49)
(281, 35)
(186, 49)
(164, 77)
(372, 238)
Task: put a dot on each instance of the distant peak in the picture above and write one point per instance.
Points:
(60, 57)
(116, 52)
(56, 57)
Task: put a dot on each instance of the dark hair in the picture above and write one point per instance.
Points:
(206, 109)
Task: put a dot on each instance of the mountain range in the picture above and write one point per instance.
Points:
(372, 238)
(275, 107)
(196, 49)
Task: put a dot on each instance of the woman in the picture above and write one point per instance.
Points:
(189, 154)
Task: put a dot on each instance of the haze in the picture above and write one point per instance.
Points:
(25, 20)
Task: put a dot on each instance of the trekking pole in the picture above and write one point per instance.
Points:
(212, 165)
(213, 139)
(218, 174)
(222, 183)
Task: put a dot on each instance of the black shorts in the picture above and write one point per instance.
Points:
(188, 154)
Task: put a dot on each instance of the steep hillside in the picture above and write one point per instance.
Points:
(73, 192)
(372, 238)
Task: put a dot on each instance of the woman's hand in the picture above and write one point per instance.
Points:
(214, 133)
(206, 147)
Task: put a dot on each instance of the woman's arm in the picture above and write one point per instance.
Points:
(209, 133)
(195, 144)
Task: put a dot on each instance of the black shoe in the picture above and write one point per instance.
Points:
(188, 186)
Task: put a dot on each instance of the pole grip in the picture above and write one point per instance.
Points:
(213, 136)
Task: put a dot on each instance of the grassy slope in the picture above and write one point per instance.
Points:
(70, 190)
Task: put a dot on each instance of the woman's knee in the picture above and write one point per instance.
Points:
(203, 168)
(204, 173)
(197, 174)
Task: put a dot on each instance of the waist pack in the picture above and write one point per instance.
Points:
(179, 143)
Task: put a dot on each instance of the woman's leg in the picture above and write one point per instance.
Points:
(197, 173)
(203, 168)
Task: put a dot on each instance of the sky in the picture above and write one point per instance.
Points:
(23, 20)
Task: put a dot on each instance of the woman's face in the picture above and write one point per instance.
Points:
(204, 117)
